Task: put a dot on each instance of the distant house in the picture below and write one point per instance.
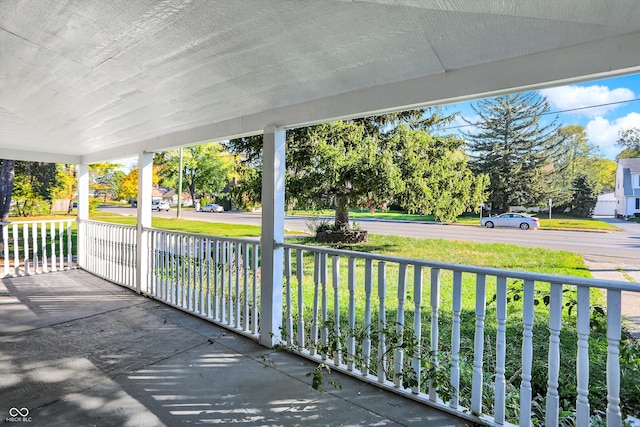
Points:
(628, 187)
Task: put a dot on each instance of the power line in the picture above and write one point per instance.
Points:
(560, 111)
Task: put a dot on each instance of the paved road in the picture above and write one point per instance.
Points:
(624, 244)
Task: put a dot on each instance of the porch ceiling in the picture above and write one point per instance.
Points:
(92, 80)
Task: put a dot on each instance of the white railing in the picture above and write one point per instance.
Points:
(216, 278)
(398, 323)
(110, 251)
(31, 247)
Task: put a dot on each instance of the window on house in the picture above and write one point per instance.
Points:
(637, 203)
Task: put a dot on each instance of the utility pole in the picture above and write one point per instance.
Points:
(179, 190)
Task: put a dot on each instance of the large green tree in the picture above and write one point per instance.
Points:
(579, 158)
(34, 186)
(371, 162)
(515, 142)
(206, 169)
(105, 180)
(629, 140)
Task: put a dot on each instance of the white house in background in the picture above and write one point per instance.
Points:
(628, 187)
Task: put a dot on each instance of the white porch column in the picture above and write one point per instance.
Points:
(83, 212)
(145, 189)
(272, 235)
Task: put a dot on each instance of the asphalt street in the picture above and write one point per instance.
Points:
(622, 245)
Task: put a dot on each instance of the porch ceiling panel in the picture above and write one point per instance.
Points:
(96, 80)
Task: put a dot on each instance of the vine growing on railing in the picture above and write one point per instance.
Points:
(396, 338)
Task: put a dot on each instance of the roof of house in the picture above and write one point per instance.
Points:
(633, 164)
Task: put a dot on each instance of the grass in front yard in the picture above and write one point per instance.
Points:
(187, 226)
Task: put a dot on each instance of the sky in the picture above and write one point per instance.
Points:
(602, 107)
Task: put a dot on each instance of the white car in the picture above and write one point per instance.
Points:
(159, 205)
(522, 221)
(211, 207)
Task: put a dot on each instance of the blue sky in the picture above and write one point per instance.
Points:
(601, 121)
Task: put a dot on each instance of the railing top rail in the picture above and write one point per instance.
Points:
(38, 221)
(209, 236)
(92, 221)
(512, 274)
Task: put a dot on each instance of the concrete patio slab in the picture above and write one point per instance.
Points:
(76, 350)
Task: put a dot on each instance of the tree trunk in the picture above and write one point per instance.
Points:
(342, 213)
(6, 188)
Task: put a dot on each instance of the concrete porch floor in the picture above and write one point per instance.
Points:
(79, 351)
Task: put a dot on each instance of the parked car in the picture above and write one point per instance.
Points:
(212, 207)
(159, 205)
(525, 222)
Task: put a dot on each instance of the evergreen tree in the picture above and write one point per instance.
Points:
(371, 162)
(515, 147)
(585, 196)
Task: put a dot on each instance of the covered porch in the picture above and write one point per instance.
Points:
(94, 81)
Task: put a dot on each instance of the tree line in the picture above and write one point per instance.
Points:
(512, 153)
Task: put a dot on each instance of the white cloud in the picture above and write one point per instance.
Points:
(570, 97)
(604, 133)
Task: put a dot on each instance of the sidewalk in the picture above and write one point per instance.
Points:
(622, 269)
(77, 350)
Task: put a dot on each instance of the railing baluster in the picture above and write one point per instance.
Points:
(351, 341)
(455, 338)
(238, 304)
(300, 276)
(288, 309)
(555, 324)
(256, 314)
(478, 347)
(335, 265)
(25, 242)
(417, 327)
(230, 283)
(69, 245)
(582, 358)
(527, 354)
(314, 320)
(53, 247)
(501, 349)
(324, 331)
(34, 245)
(245, 266)
(61, 244)
(43, 246)
(435, 306)
(366, 344)
(382, 322)
(222, 266)
(207, 268)
(16, 250)
(399, 352)
(614, 416)
(216, 280)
